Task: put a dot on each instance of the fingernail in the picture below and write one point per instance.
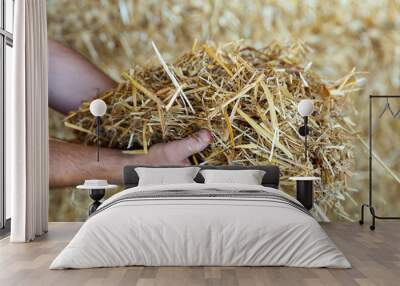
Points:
(205, 136)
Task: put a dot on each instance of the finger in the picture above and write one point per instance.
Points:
(184, 148)
(186, 162)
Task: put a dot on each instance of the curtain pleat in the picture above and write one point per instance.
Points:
(15, 130)
(29, 159)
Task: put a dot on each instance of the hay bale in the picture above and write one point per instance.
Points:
(247, 98)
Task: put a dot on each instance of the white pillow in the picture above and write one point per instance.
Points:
(164, 176)
(242, 177)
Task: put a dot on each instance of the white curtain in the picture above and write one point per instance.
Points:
(27, 124)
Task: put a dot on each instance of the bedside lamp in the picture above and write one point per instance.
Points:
(305, 109)
(98, 108)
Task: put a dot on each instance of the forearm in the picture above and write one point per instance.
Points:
(72, 78)
(71, 163)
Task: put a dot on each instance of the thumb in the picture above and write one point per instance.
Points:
(181, 149)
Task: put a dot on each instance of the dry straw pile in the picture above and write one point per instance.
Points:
(247, 97)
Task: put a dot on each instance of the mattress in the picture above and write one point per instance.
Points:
(201, 225)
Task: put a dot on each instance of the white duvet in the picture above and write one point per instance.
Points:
(200, 231)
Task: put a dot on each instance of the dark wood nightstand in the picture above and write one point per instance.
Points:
(304, 190)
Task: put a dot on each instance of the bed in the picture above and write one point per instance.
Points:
(198, 224)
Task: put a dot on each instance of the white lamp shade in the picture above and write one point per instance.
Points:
(98, 107)
(305, 107)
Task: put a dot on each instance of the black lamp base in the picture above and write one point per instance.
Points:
(304, 189)
(96, 195)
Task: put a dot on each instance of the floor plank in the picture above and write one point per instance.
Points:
(375, 257)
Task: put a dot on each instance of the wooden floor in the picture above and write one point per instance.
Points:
(375, 257)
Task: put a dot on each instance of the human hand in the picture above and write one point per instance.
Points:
(71, 164)
(177, 152)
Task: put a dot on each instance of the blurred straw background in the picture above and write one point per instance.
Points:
(116, 35)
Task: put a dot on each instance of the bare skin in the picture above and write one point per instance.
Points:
(73, 79)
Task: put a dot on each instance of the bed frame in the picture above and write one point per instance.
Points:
(270, 179)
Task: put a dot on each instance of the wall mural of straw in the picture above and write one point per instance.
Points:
(116, 35)
(247, 98)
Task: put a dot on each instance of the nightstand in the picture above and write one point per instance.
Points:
(97, 190)
(304, 190)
